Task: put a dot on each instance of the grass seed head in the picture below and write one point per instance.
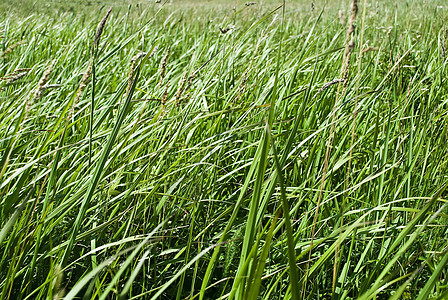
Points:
(134, 63)
(242, 86)
(181, 88)
(327, 85)
(11, 48)
(354, 12)
(163, 65)
(101, 27)
(368, 49)
(443, 44)
(43, 80)
(22, 70)
(17, 74)
(350, 44)
(163, 102)
(165, 94)
(82, 86)
(341, 16)
(16, 77)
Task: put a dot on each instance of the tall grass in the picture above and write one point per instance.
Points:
(219, 152)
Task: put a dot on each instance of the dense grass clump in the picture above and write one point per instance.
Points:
(203, 150)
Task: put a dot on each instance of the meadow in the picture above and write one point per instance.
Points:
(223, 150)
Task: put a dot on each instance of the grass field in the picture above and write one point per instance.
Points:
(223, 150)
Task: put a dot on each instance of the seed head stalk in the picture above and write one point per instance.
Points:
(352, 140)
(349, 45)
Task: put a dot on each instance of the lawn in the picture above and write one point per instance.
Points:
(223, 150)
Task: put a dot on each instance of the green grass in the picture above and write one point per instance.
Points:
(223, 165)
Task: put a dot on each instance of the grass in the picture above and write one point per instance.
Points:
(204, 150)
